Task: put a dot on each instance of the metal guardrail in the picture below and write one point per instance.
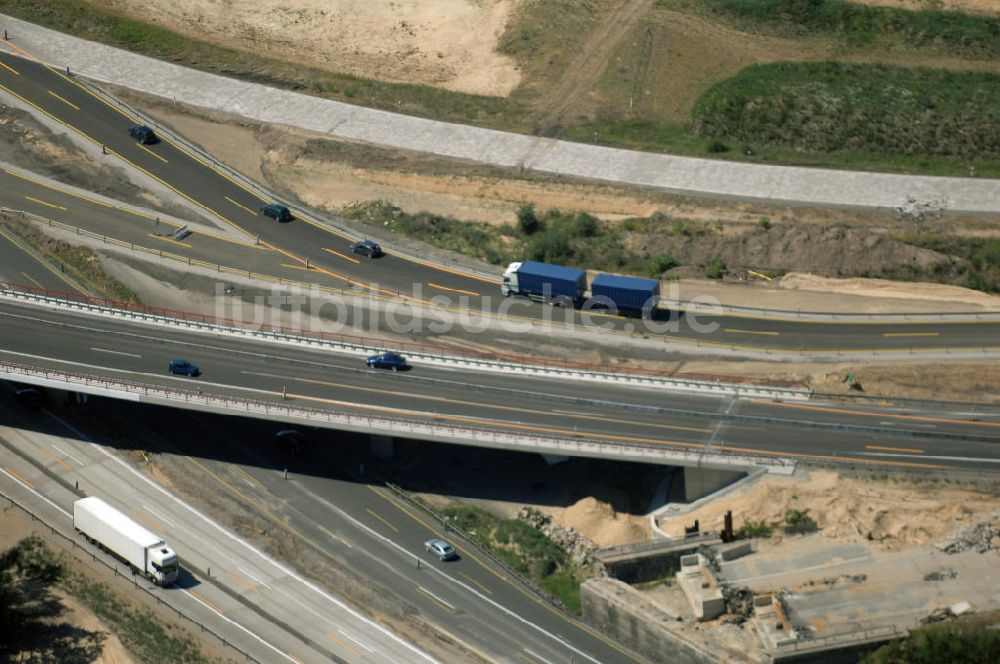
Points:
(114, 568)
(247, 183)
(882, 633)
(580, 444)
(654, 545)
(497, 362)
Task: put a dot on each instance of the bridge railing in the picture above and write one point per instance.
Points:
(434, 428)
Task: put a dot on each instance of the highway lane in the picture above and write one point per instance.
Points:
(305, 247)
(876, 434)
(21, 265)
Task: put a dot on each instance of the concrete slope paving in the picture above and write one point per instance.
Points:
(687, 175)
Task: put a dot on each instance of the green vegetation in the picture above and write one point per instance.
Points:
(524, 549)
(29, 569)
(754, 529)
(568, 238)
(825, 107)
(978, 258)
(966, 641)
(715, 269)
(798, 522)
(952, 32)
(79, 264)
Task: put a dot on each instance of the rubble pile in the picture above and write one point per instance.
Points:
(580, 549)
(981, 537)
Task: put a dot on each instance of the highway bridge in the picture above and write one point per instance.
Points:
(559, 410)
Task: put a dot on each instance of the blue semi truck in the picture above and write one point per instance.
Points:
(566, 286)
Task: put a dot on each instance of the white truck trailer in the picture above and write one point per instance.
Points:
(145, 552)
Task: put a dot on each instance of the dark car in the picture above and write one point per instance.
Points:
(183, 368)
(393, 361)
(277, 212)
(441, 549)
(292, 440)
(143, 134)
(367, 248)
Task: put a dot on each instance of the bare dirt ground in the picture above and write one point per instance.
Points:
(889, 512)
(449, 44)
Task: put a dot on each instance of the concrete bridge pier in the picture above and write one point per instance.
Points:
(700, 482)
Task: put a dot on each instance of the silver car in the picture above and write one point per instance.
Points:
(441, 549)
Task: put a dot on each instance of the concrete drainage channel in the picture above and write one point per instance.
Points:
(715, 388)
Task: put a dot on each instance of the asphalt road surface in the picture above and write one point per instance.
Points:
(918, 437)
(308, 251)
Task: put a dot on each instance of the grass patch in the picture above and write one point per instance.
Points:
(952, 32)
(827, 107)
(79, 264)
(981, 256)
(973, 640)
(754, 529)
(524, 549)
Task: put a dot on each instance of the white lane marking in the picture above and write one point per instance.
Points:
(241, 627)
(435, 570)
(927, 456)
(263, 556)
(435, 597)
(537, 656)
(65, 453)
(159, 516)
(36, 493)
(254, 578)
(348, 636)
(116, 352)
(570, 412)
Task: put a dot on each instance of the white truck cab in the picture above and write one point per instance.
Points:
(509, 285)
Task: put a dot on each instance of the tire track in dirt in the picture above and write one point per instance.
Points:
(586, 68)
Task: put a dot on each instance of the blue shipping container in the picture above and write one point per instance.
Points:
(533, 277)
(629, 293)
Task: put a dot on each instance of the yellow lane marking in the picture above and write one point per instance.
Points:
(493, 406)
(151, 152)
(41, 202)
(846, 411)
(311, 268)
(227, 484)
(374, 514)
(441, 268)
(346, 258)
(170, 240)
(250, 478)
(736, 331)
(295, 658)
(329, 273)
(10, 69)
(442, 604)
(241, 206)
(42, 263)
(345, 646)
(56, 458)
(465, 644)
(19, 478)
(63, 100)
(908, 450)
(31, 279)
(334, 537)
(200, 598)
(476, 583)
(240, 579)
(455, 290)
(910, 334)
(86, 198)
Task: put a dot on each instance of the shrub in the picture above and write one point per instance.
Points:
(753, 529)
(715, 269)
(798, 522)
(657, 265)
(764, 223)
(528, 222)
(717, 147)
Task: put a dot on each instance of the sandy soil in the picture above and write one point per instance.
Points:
(932, 294)
(599, 522)
(449, 44)
(991, 7)
(77, 614)
(892, 515)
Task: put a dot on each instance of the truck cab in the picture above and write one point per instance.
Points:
(509, 284)
(163, 568)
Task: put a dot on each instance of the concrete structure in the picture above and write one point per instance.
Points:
(699, 585)
(647, 561)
